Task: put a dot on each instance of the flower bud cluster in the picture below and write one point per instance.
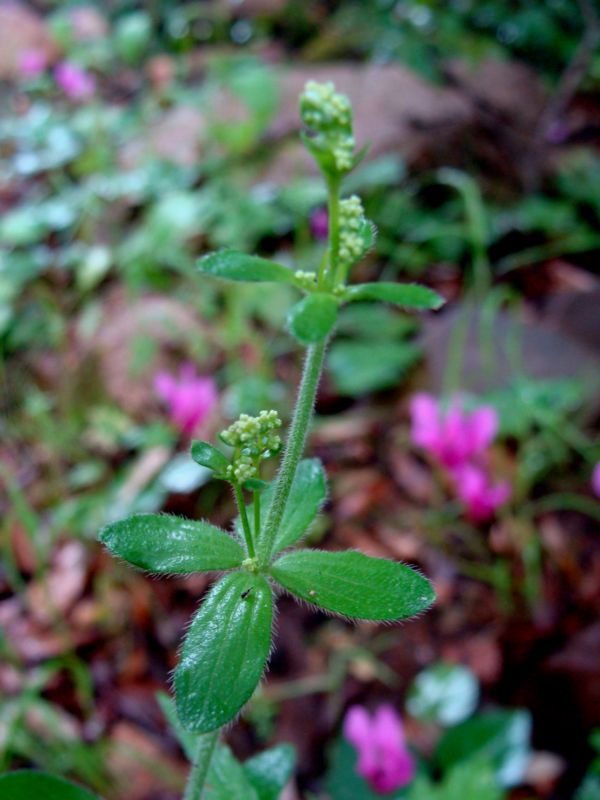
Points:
(306, 280)
(343, 153)
(329, 114)
(352, 219)
(253, 439)
(322, 107)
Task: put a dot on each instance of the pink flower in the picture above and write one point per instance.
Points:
(319, 224)
(383, 758)
(480, 496)
(32, 63)
(452, 436)
(190, 397)
(75, 82)
(596, 480)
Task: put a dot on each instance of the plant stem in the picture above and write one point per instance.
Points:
(256, 514)
(333, 211)
(197, 777)
(313, 365)
(239, 496)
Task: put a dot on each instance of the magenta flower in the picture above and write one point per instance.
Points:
(190, 398)
(453, 436)
(319, 224)
(383, 758)
(596, 479)
(480, 496)
(32, 63)
(75, 82)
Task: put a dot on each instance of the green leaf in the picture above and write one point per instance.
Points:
(227, 779)
(206, 455)
(235, 266)
(313, 317)
(255, 485)
(307, 495)
(225, 652)
(471, 779)
(360, 367)
(353, 584)
(187, 740)
(33, 785)
(166, 543)
(443, 693)
(501, 737)
(270, 770)
(408, 295)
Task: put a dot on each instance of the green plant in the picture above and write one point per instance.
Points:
(227, 646)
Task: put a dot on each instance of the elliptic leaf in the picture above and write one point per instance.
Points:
(235, 266)
(502, 737)
(29, 784)
(166, 543)
(227, 778)
(471, 779)
(187, 740)
(313, 317)
(359, 367)
(408, 295)
(206, 455)
(225, 651)
(308, 493)
(270, 770)
(353, 584)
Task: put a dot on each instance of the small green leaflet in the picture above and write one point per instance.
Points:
(307, 495)
(359, 367)
(408, 295)
(472, 779)
(353, 584)
(270, 770)
(166, 543)
(262, 777)
(33, 785)
(225, 651)
(206, 455)
(227, 779)
(235, 266)
(502, 737)
(311, 319)
(187, 740)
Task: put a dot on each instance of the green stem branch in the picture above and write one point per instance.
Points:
(239, 496)
(333, 211)
(197, 777)
(256, 514)
(305, 402)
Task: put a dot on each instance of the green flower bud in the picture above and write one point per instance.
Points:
(328, 115)
(306, 280)
(253, 439)
(356, 232)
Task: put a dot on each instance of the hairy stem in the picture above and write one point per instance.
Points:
(197, 777)
(313, 365)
